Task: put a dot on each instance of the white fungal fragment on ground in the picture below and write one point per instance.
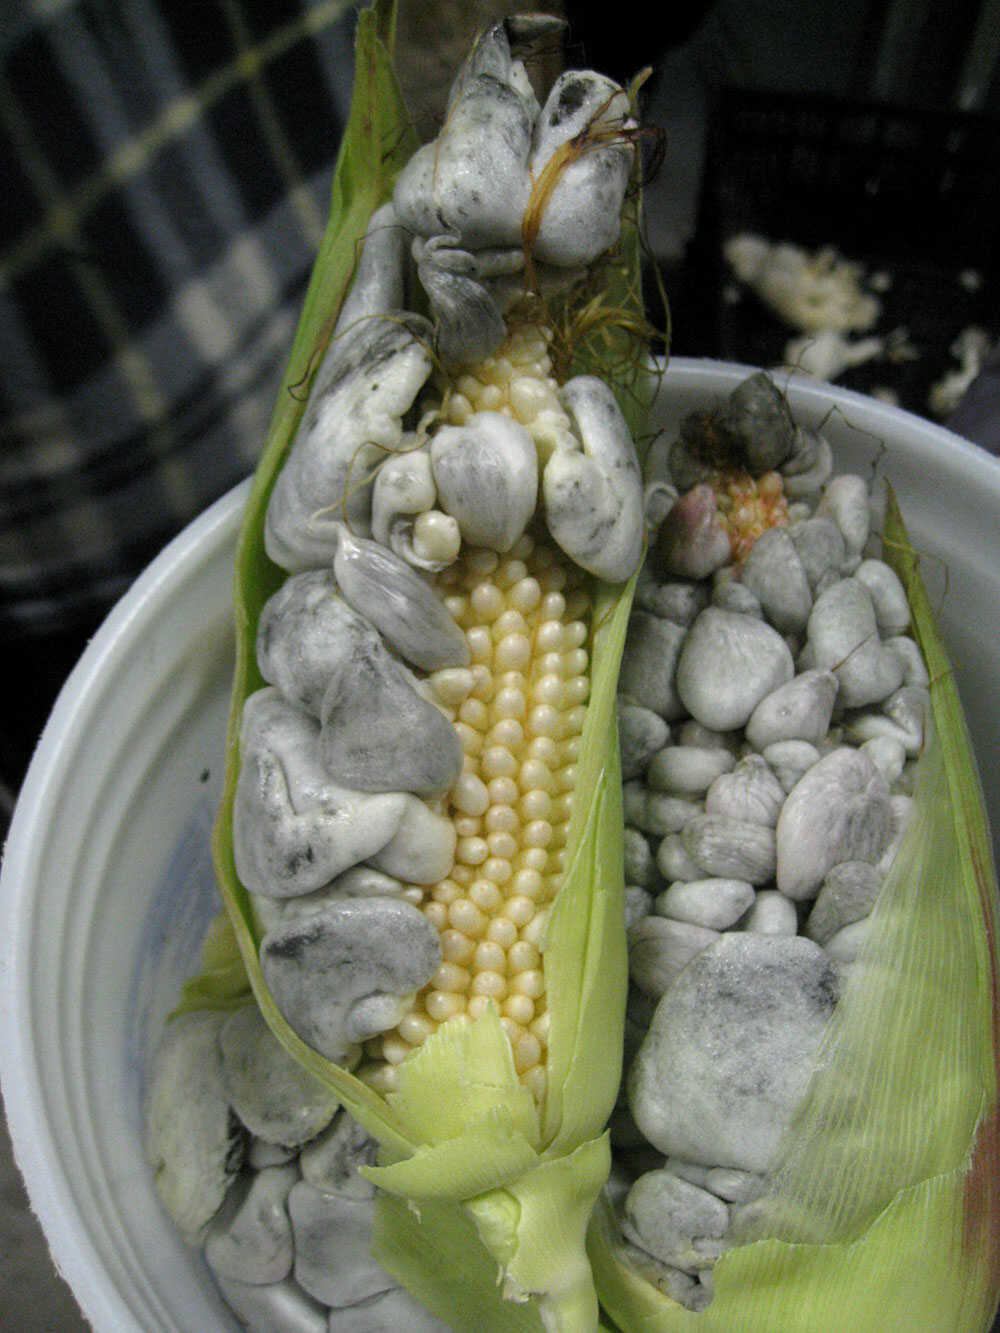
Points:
(971, 348)
(811, 292)
(826, 353)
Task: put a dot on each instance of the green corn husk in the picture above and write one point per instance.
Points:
(884, 1213)
(484, 1197)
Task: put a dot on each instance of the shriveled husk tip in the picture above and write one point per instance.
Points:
(485, 1197)
(884, 1212)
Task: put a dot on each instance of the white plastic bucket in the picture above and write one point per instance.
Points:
(107, 884)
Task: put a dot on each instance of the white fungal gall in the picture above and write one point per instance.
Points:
(287, 847)
(892, 611)
(250, 1240)
(472, 180)
(378, 282)
(346, 973)
(582, 151)
(843, 635)
(846, 500)
(594, 500)
(275, 1098)
(436, 540)
(403, 514)
(838, 811)
(678, 1222)
(365, 385)
(728, 663)
(486, 473)
(706, 1040)
(405, 609)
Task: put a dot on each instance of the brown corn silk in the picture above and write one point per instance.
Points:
(884, 1210)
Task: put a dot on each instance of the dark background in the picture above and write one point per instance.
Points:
(870, 125)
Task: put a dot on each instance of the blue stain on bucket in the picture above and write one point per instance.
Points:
(183, 904)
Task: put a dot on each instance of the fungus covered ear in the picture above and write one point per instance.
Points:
(801, 783)
(420, 841)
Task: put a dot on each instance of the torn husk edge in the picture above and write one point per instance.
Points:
(884, 1211)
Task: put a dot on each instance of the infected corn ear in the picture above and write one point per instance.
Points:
(487, 1086)
(878, 1208)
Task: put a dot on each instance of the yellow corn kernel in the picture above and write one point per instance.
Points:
(511, 805)
(749, 506)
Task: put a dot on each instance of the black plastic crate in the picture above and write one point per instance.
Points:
(911, 194)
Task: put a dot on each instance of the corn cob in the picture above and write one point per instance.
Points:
(519, 712)
(419, 845)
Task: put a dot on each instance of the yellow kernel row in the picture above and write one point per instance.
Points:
(749, 506)
(518, 710)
